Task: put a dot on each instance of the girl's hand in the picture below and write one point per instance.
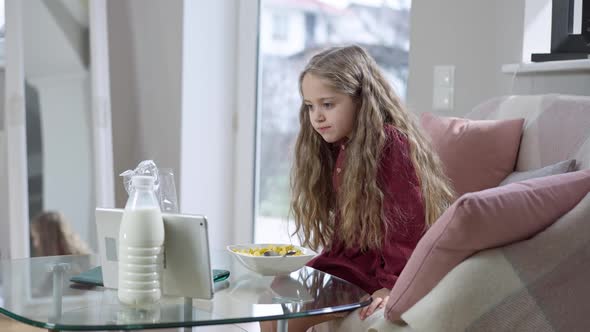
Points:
(380, 298)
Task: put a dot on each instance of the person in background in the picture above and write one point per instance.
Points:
(52, 236)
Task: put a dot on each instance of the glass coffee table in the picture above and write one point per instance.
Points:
(37, 291)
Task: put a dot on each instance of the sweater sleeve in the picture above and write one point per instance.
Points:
(403, 207)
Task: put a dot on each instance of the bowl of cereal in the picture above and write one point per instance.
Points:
(270, 259)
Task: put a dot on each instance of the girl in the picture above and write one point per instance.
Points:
(365, 182)
(52, 236)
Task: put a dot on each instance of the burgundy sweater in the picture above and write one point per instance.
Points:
(403, 210)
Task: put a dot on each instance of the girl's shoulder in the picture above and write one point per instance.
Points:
(396, 155)
(397, 146)
(394, 136)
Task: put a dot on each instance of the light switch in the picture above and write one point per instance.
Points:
(443, 88)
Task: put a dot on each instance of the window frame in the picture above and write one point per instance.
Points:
(246, 122)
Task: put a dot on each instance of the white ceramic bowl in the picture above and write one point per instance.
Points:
(271, 265)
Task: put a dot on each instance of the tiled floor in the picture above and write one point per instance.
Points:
(9, 325)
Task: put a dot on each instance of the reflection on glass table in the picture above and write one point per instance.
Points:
(37, 291)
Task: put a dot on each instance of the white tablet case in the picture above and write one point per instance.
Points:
(187, 269)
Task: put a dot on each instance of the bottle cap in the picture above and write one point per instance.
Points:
(142, 180)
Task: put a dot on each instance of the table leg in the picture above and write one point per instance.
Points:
(282, 325)
(58, 271)
(57, 292)
(188, 312)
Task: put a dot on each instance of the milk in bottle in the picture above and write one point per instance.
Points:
(141, 241)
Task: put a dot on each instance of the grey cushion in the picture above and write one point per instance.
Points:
(558, 168)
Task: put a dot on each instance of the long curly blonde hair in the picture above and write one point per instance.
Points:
(352, 71)
(52, 236)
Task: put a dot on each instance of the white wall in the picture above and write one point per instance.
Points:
(567, 82)
(173, 79)
(145, 50)
(124, 103)
(157, 26)
(476, 36)
(208, 88)
(4, 236)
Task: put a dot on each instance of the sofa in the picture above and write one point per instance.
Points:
(538, 282)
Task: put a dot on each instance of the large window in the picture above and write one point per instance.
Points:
(382, 27)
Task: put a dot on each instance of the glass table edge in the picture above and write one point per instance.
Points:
(66, 327)
(28, 321)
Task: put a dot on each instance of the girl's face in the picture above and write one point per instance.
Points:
(331, 113)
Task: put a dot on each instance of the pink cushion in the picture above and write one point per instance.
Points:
(476, 154)
(482, 220)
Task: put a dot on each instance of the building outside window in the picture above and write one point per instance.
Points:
(280, 26)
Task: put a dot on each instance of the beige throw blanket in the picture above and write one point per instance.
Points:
(541, 284)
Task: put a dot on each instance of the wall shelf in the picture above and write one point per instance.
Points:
(549, 66)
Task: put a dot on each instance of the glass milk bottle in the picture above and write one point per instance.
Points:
(141, 241)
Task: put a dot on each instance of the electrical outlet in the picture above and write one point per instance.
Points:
(443, 88)
(442, 99)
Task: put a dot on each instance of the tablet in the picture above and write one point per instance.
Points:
(93, 277)
(187, 263)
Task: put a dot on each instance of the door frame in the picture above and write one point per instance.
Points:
(16, 218)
